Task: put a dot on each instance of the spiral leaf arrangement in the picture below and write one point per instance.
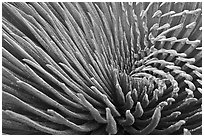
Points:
(102, 68)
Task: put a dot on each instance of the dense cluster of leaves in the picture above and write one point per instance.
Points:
(102, 68)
